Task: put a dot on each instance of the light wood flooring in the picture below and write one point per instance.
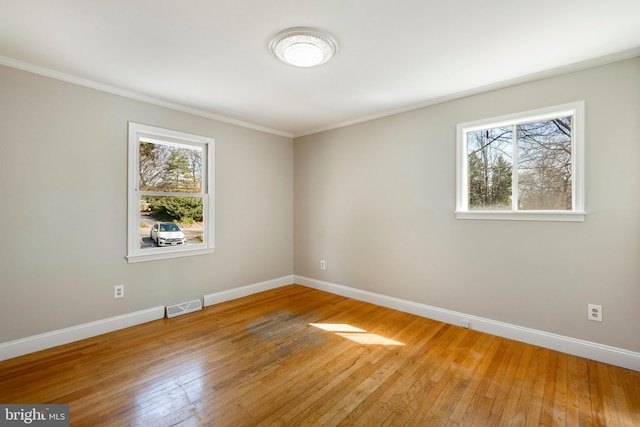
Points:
(297, 356)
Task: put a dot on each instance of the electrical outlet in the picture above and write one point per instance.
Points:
(118, 291)
(594, 312)
(323, 265)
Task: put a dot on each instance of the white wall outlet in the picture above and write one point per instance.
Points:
(323, 265)
(594, 312)
(118, 291)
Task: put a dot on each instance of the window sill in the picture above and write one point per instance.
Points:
(558, 216)
(167, 255)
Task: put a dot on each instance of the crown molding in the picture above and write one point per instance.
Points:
(578, 66)
(582, 65)
(35, 69)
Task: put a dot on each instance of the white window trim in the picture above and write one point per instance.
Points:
(134, 252)
(576, 214)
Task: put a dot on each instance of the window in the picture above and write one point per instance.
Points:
(527, 166)
(171, 204)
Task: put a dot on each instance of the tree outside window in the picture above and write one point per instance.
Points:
(170, 183)
(522, 166)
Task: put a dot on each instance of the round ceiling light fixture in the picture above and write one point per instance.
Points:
(303, 47)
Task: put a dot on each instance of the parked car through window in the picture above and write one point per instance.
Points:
(167, 234)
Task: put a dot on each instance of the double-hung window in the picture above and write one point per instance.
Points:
(527, 166)
(171, 199)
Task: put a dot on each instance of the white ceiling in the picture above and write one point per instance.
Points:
(212, 56)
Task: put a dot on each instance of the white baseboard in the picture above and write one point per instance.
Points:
(244, 291)
(75, 333)
(35, 343)
(590, 350)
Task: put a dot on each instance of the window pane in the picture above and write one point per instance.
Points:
(490, 157)
(170, 221)
(544, 165)
(167, 167)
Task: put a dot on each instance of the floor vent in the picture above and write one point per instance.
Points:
(183, 308)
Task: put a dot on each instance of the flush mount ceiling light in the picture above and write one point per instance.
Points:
(303, 47)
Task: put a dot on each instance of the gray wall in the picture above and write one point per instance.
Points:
(63, 198)
(376, 201)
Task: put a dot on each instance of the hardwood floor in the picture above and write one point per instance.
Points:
(259, 361)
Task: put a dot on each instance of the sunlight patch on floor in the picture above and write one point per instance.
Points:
(373, 339)
(337, 327)
(355, 334)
